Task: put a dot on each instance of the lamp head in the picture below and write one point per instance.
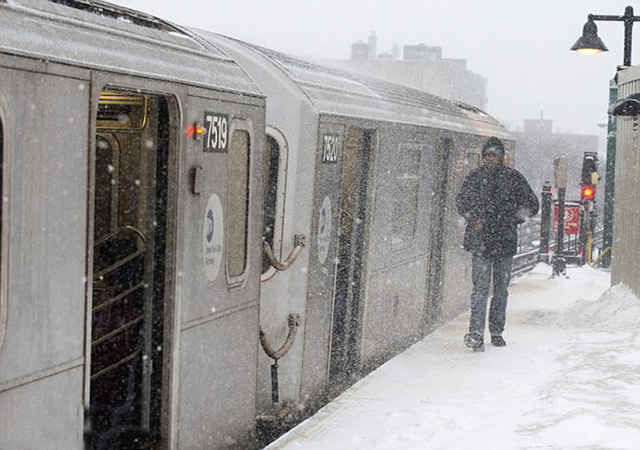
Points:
(589, 43)
(627, 108)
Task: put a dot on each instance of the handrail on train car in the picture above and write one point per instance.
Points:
(299, 242)
(294, 323)
(124, 229)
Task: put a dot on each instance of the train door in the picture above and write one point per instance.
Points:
(322, 256)
(130, 187)
(439, 212)
(346, 324)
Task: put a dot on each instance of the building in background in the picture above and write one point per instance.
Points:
(420, 67)
(537, 146)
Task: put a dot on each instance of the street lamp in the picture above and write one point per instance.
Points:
(590, 43)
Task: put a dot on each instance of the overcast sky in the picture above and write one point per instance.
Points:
(520, 46)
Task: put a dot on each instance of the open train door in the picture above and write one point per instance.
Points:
(130, 198)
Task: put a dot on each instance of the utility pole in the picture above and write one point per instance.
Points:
(560, 179)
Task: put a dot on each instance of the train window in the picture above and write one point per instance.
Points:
(274, 178)
(407, 180)
(238, 205)
(270, 180)
(473, 161)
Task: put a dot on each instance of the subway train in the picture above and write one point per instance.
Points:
(203, 241)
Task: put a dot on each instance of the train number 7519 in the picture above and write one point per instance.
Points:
(216, 132)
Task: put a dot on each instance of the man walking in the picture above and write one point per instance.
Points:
(494, 199)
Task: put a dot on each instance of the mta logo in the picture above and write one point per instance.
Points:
(210, 219)
(323, 220)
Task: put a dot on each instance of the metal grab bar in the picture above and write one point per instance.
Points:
(118, 264)
(299, 241)
(294, 322)
(121, 230)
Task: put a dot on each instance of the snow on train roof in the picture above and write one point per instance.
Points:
(338, 92)
(99, 35)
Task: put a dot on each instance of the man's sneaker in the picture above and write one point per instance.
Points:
(474, 341)
(497, 341)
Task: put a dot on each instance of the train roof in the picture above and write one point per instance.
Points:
(339, 92)
(99, 35)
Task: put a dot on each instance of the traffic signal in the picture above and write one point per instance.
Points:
(588, 192)
(589, 176)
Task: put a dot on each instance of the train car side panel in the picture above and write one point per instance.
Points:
(45, 302)
(46, 413)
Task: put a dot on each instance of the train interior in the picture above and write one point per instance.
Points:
(130, 223)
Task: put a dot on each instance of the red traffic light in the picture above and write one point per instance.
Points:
(588, 192)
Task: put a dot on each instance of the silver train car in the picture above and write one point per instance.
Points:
(177, 205)
(367, 172)
(131, 153)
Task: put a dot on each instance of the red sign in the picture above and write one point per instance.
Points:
(571, 219)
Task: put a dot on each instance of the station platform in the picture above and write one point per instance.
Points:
(569, 378)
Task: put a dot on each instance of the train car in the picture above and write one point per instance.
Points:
(365, 172)
(177, 204)
(130, 233)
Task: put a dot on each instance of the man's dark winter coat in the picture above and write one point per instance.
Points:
(501, 198)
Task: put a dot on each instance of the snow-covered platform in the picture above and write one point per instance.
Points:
(569, 378)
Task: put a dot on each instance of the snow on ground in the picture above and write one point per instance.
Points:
(569, 378)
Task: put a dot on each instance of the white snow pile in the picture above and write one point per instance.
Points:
(618, 309)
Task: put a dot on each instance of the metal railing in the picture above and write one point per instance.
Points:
(529, 253)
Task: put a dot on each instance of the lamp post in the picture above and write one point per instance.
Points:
(590, 43)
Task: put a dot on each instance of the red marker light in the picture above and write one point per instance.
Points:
(199, 130)
(587, 192)
(195, 130)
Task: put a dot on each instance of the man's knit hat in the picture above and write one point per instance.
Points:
(493, 145)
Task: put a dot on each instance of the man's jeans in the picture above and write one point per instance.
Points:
(481, 274)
